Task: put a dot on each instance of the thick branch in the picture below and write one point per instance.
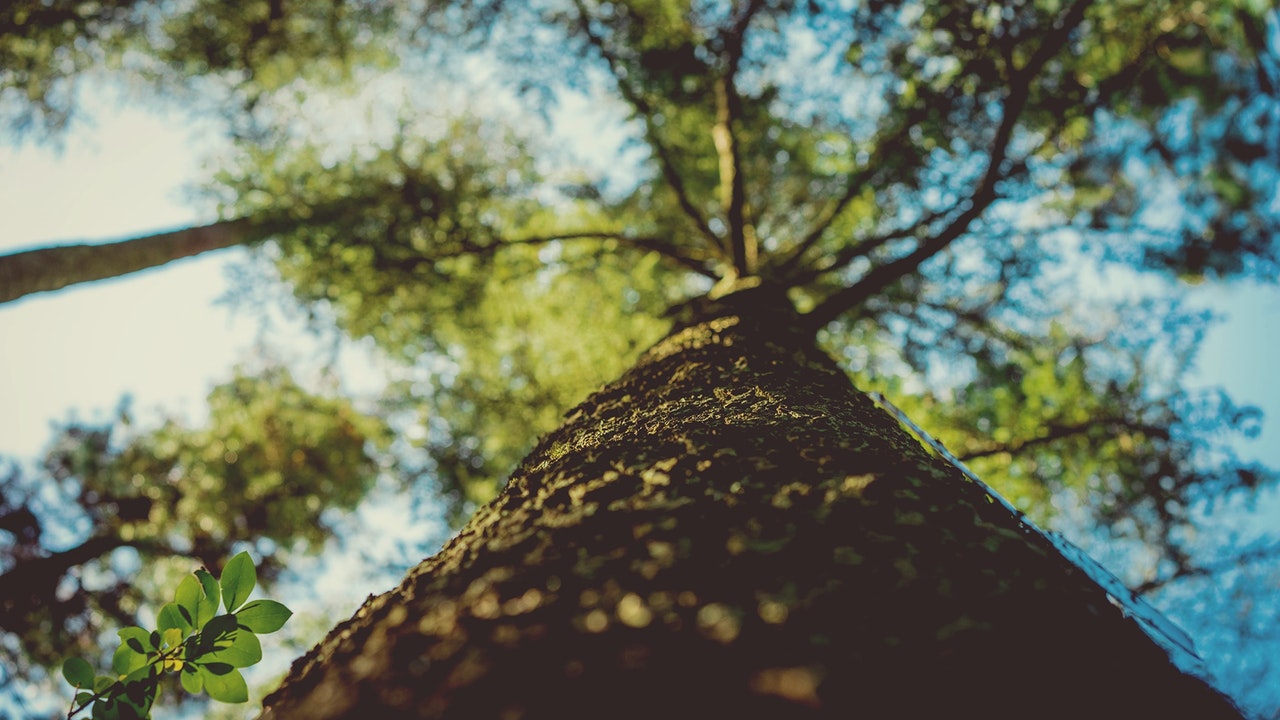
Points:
(53, 268)
(985, 193)
(732, 195)
(32, 581)
(732, 183)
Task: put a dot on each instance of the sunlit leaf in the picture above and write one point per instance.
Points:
(211, 596)
(126, 660)
(238, 580)
(224, 683)
(192, 679)
(172, 637)
(171, 619)
(241, 649)
(137, 639)
(194, 600)
(263, 616)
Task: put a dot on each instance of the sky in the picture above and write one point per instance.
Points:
(163, 337)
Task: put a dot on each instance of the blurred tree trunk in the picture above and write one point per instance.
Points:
(53, 268)
(732, 530)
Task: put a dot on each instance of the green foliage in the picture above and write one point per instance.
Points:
(246, 48)
(270, 461)
(206, 649)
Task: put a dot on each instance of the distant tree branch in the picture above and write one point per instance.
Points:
(1061, 432)
(854, 184)
(645, 111)
(1105, 89)
(53, 268)
(985, 193)
(868, 245)
(974, 317)
(1186, 571)
(32, 581)
(655, 244)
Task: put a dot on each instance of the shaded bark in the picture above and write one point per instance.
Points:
(53, 268)
(732, 530)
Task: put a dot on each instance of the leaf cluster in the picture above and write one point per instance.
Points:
(206, 649)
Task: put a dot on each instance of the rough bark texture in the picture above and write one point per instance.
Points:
(732, 530)
(54, 268)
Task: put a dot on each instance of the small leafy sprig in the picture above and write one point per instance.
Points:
(206, 649)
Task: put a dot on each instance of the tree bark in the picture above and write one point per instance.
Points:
(732, 530)
(54, 268)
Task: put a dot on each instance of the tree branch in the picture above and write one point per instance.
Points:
(1184, 571)
(857, 180)
(985, 193)
(728, 109)
(868, 245)
(53, 268)
(1060, 432)
(32, 581)
(645, 111)
(654, 244)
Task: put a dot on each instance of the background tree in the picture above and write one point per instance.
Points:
(113, 513)
(937, 184)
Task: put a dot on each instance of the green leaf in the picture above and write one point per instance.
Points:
(263, 616)
(187, 598)
(139, 673)
(212, 595)
(172, 637)
(137, 639)
(219, 627)
(216, 633)
(78, 672)
(242, 649)
(192, 679)
(126, 660)
(238, 580)
(228, 686)
(170, 618)
(193, 599)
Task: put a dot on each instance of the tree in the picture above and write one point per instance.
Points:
(731, 528)
(272, 459)
(902, 181)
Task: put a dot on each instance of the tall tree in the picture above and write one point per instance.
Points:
(922, 188)
(731, 528)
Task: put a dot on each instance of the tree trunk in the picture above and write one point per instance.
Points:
(54, 268)
(732, 530)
